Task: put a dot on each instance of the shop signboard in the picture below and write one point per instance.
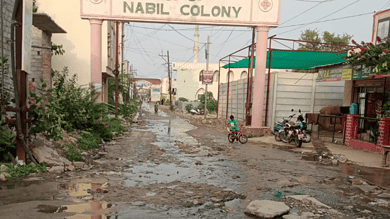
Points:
(208, 77)
(329, 75)
(346, 74)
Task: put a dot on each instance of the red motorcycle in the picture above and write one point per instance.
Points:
(237, 135)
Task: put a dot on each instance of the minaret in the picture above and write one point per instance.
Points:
(196, 46)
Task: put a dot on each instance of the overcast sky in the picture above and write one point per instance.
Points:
(144, 42)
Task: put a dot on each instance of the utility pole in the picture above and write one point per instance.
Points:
(170, 79)
(207, 69)
(116, 71)
(170, 82)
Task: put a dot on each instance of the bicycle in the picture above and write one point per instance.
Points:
(237, 135)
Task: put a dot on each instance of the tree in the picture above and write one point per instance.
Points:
(35, 8)
(327, 37)
(211, 102)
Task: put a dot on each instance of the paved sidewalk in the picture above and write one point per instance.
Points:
(359, 157)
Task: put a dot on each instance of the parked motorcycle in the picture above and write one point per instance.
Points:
(292, 132)
(303, 128)
(280, 125)
(195, 111)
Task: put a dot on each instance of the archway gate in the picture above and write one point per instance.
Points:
(262, 14)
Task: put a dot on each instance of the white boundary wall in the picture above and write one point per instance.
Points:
(288, 91)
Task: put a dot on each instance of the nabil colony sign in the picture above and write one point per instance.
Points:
(210, 12)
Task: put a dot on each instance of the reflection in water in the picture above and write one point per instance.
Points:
(88, 210)
(169, 127)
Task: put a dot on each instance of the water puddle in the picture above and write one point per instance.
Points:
(208, 170)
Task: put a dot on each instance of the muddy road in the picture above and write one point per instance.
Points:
(167, 168)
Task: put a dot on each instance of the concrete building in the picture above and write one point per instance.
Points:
(77, 42)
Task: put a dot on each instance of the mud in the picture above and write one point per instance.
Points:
(165, 167)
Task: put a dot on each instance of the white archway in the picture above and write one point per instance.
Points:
(215, 77)
(244, 74)
(231, 76)
(199, 93)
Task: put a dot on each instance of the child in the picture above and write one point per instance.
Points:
(233, 124)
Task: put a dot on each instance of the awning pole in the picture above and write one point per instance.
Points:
(228, 86)
(250, 78)
(219, 73)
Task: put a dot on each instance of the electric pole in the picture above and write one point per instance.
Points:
(170, 79)
(116, 71)
(170, 83)
(207, 69)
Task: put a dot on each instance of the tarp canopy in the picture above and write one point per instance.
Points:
(295, 60)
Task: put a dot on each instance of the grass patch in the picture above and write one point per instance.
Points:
(24, 170)
(115, 125)
(73, 154)
(88, 141)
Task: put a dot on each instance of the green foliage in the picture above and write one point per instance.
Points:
(57, 50)
(88, 141)
(327, 37)
(182, 99)
(24, 170)
(35, 8)
(6, 138)
(73, 154)
(211, 102)
(115, 124)
(124, 83)
(128, 109)
(167, 103)
(250, 136)
(189, 107)
(67, 107)
(375, 57)
(4, 61)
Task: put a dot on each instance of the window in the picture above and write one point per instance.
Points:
(215, 77)
(201, 76)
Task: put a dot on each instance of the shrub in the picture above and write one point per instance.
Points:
(73, 154)
(211, 102)
(88, 141)
(65, 106)
(24, 170)
(115, 124)
(167, 103)
(250, 136)
(128, 109)
(182, 99)
(6, 145)
(189, 107)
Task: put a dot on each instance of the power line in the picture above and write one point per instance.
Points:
(181, 34)
(340, 18)
(321, 18)
(386, 5)
(301, 13)
(225, 42)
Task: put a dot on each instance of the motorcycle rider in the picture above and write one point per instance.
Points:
(233, 124)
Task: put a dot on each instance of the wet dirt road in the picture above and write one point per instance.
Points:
(168, 168)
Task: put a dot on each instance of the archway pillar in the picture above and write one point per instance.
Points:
(96, 57)
(259, 79)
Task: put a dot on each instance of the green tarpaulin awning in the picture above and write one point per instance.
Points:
(295, 60)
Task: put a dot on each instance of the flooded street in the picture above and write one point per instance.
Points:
(168, 168)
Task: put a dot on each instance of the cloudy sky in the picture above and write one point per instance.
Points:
(144, 42)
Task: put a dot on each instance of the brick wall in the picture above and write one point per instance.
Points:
(351, 128)
(41, 57)
(8, 6)
(384, 130)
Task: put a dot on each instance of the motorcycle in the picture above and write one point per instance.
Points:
(303, 128)
(280, 125)
(292, 132)
(195, 111)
